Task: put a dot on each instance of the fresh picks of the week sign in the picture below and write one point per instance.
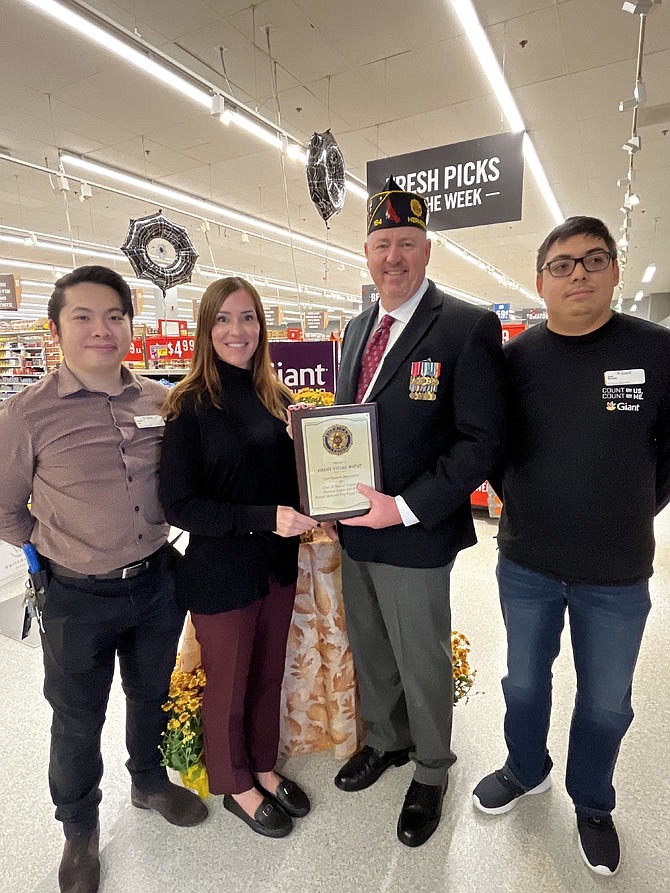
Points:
(466, 184)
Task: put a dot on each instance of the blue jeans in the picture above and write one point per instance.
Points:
(606, 626)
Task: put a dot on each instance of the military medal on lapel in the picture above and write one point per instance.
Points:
(424, 379)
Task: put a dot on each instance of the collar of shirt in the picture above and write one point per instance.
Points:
(68, 383)
(401, 316)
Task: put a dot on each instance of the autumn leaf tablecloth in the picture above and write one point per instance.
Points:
(319, 693)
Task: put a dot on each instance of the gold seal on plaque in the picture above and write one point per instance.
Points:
(338, 439)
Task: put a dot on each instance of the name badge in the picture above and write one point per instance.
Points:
(624, 376)
(149, 421)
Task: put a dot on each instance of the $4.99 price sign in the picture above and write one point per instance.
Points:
(169, 347)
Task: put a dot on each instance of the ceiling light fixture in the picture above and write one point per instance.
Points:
(640, 7)
(255, 129)
(148, 186)
(486, 57)
(627, 105)
(217, 106)
(356, 189)
(296, 151)
(121, 48)
(632, 145)
(476, 261)
(55, 271)
(207, 95)
(648, 274)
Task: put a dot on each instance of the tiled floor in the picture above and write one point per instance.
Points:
(348, 842)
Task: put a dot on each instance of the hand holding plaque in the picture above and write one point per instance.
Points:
(336, 447)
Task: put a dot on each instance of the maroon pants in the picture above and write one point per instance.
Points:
(243, 655)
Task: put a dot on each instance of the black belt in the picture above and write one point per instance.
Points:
(120, 573)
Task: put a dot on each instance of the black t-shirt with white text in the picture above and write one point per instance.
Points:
(589, 460)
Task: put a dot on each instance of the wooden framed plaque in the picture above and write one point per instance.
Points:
(336, 447)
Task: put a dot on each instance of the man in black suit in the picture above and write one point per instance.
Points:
(434, 367)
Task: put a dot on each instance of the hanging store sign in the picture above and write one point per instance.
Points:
(10, 292)
(316, 320)
(274, 316)
(305, 364)
(370, 295)
(473, 183)
(137, 297)
(172, 327)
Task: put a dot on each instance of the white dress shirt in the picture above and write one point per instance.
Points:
(401, 316)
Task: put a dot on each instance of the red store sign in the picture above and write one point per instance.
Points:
(136, 352)
(169, 347)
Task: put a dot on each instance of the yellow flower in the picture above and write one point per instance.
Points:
(315, 397)
(464, 676)
(182, 741)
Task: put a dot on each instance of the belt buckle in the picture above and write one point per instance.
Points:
(125, 573)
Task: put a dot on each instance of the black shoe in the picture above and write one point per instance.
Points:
(79, 870)
(177, 805)
(366, 766)
(497, 793)
(292, 799)
(421, 812)
(270, 820)
(599, 843)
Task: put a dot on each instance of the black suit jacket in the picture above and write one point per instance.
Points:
(433, 453)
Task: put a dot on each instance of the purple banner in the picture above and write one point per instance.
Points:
(306, 364)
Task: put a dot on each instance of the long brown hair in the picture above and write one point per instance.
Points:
(203, 377)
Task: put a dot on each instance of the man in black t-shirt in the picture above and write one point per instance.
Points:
(588, 468)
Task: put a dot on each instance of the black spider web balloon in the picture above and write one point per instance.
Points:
(325, 174)
(145, 230)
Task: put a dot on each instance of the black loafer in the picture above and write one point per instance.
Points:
(292, 799)
(420, 813)
(270, 820)
(366, 766)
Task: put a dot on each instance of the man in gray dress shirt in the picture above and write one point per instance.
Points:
(85, 442)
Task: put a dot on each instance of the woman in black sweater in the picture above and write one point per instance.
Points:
(228, 478)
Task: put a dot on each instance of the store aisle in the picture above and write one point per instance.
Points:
(348, 842)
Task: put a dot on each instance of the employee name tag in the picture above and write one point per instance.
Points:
(624, 376)
(149, 421)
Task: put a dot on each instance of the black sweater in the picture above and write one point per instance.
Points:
(223, 474)
(590, 460)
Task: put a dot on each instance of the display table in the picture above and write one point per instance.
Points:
(319, 693)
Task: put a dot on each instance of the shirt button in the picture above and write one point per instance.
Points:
(137, 508)
(139, 536)
(130, 478)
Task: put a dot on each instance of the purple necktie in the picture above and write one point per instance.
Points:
(373, 354)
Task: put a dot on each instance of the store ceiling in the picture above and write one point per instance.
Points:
(385, 79)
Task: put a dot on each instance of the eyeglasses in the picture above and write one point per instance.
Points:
(592, 263)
